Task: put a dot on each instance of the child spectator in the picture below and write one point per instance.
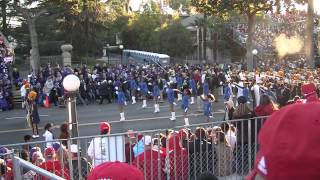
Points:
(48, 135)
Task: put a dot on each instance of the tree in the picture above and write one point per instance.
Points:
(3, 5)
(176, 41)
(204, 23)
(143, 26)
(309, 43)
(246, 7)
(180, 5)
(30, 15)
(83, 24)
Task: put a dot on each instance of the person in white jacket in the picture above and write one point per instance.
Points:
(256, 90)
(99, 150)
(48, 135)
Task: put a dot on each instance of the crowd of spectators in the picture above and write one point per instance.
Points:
(223, 150)
(5, 79)
(290, 24)
(186, 153)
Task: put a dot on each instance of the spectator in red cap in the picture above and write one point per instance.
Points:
(98, 149)
(129, 144)
(178, 156)
(116, 171)
(266, 107)
(52, 165)
(79, 162)
(289, 144)
(150, 161)
(310, 92)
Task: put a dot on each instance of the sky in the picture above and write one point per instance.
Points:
(316, 4)
(135, 5)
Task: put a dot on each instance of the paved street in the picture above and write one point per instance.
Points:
(13, 128)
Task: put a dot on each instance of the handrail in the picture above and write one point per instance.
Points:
(18, 163)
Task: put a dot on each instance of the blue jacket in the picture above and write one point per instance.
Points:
(205, 88)
(179, 81)
(133, 84)
(226, 93)
(138, 148)
(246, 93)
(185, 102)
(156, 91)
(170, 95)
(143, 88)
(121, 97)
(193, 85)
(117, 83)
(207, 108)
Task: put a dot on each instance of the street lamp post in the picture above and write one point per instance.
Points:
(71, 84)
(121, 50)
(254, 53)
(108, 46)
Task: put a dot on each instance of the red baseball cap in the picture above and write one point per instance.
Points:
(308, 88)
(104, 126)
(116, 171)
(289, 144)
(49, 151)
(310, 92)
(183, 133)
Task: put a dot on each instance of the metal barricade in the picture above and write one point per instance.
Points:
(226, 149)
(20, 164)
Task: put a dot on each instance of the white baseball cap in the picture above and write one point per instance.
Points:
(147, 140)
(74, 148)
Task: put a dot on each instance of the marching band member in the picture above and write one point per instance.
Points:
(161, 83)
(179, 86)
(144, 92)
(207, 105)
(156, 96)
(193, 87)
(256, 90)
(170, 95)
(243, 89)
(185, 105)
(206, 87)
(227, 91)
(133, 88)
(121, 100)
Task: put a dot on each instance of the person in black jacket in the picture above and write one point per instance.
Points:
(201, 154)
(283, 95)
(103, 91)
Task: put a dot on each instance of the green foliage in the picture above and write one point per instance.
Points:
(137, 34)
(222, 8)
(89, 24)
(177, 4)
(148, 32)
(176, 41)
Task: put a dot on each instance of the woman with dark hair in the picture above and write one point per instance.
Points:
(64, 134)
(224, 156)
(242, 111)
(48, 135)
(32, 109)
(266, 107)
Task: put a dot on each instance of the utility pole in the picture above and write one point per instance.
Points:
(309, 40)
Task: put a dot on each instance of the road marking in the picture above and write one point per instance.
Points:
(23, 117)
(111, 122)
(133, 120)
